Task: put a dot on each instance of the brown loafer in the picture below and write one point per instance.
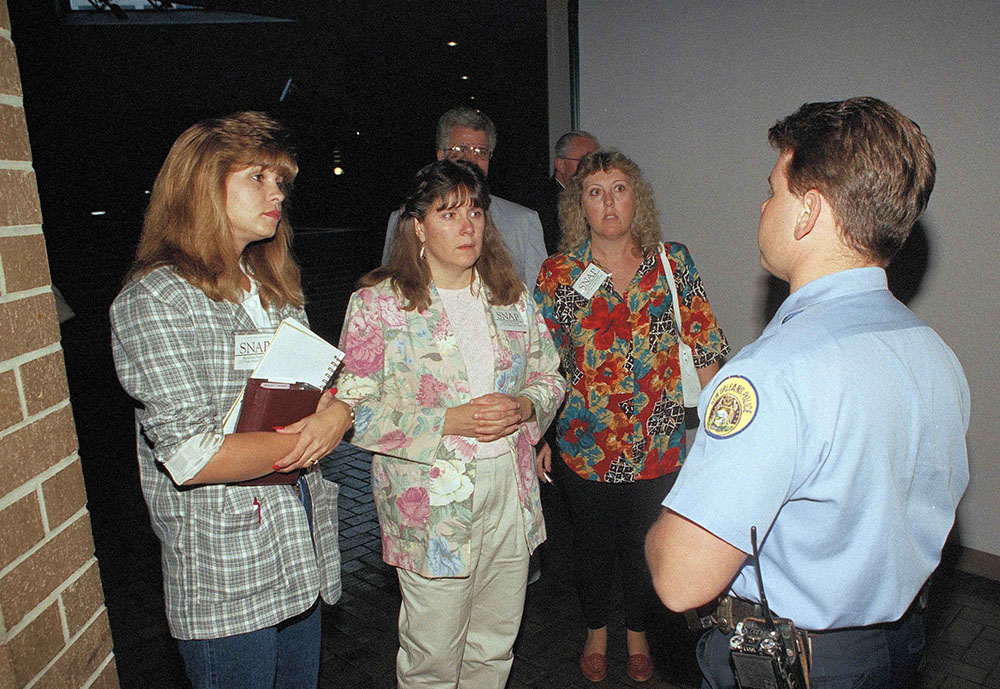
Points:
(595, 666)
(640, 667)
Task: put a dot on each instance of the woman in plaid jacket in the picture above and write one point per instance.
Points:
(243, 565)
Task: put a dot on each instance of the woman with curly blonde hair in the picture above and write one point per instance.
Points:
(606, 300)
(645, 228)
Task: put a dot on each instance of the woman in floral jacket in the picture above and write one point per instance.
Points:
(606, 299)
(453, 376)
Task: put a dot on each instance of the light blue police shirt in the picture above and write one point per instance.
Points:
(840, 435)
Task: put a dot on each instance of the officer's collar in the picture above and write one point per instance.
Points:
(832, 286)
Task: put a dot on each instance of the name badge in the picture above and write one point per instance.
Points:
(249, 348)
(590, 281)
(510, 320)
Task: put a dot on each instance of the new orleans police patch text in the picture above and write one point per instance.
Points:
(732, 407)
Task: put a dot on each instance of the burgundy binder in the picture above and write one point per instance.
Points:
(266, 405)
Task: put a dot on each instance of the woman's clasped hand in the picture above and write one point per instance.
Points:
(488, 417)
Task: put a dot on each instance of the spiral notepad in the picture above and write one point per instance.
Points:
(295, 355)
(298, 355)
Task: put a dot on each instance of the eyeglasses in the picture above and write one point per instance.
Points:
(462, 151)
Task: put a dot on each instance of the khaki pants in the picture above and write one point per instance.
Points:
(459, 632)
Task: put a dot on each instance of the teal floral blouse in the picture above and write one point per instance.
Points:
(624, 415)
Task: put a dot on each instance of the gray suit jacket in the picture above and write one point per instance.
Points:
(521, 230)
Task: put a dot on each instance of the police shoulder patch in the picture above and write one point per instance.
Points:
(731, 408)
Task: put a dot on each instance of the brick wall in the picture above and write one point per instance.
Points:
(53, 625)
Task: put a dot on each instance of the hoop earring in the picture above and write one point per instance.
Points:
(422, 251)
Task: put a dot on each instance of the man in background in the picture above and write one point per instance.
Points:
(467, 134)
(569, 149)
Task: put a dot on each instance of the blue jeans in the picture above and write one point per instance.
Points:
(285, 656)
(880, 657)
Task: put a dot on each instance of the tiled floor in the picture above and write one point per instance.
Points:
(357, 652)
(963, 653)
(964, 633)
(359, 633)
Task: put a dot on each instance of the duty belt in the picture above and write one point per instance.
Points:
(725, 612)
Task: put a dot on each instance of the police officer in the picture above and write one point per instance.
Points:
(840, 433)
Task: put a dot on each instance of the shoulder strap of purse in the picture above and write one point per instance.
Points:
(673, 288)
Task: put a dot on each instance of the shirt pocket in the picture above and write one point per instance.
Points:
(235, 555)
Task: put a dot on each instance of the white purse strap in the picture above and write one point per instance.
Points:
(690, 383)
(673, 289)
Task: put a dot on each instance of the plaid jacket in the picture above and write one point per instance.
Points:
(235, 558)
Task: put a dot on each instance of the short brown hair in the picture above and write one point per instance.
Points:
(872, 163)
(445, 184)
(186, 226)
(645, 229)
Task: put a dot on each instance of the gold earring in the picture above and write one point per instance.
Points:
(422, 251)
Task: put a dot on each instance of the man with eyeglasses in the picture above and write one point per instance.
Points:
(570, 147)
(467, 134)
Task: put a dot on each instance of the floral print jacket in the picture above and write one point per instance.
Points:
(402, 371)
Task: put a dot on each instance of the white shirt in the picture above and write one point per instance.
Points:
(251, 304)
(467, 315)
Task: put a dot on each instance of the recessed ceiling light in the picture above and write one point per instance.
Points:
(451, 44)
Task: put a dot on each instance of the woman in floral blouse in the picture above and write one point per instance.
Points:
(452, 375)
(606, 300)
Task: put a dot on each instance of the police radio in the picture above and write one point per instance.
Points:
(768, 652)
